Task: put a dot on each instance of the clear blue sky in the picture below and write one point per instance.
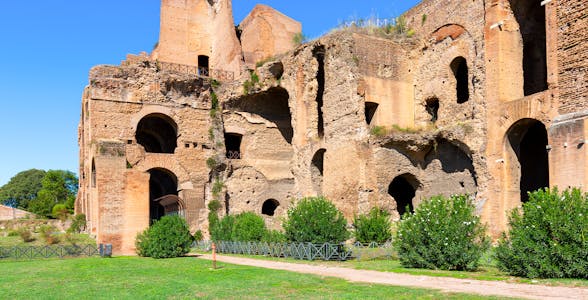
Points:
(48, 47)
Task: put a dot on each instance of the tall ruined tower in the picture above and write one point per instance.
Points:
(199, 33)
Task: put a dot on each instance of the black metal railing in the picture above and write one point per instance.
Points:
(54, 251)
(220, 75)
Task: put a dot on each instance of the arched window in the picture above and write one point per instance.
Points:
(233, 145)
(432, 107)
(316, 170)
(203, 67)
(157, 133)
(459, 66)
(269, 207)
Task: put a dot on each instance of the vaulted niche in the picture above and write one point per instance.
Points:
(233, 145)
(157, 133)
(93, 174)
(459, 66)
(432, 108)
(319, 54)
(271, 105)
(203, 67)
(403, 189)
(531, 18)
(163, 194)
(370, 111)
(528, 139)
(269, 207)
(316, 170)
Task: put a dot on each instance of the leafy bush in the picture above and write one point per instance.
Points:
(78, 224)
(223, 229)
(213, 207)
(442, 234)
(25, 234)
(168, 237)
(274, 236)
(373, 227)
(548, 238)
(315, 220)
(248, 227)
(48, 234)
(198, 236)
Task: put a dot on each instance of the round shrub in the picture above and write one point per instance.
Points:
(548, 238)
(442, 234)
(315, 220)
(168, 237)
(248, 227)
(373, 226)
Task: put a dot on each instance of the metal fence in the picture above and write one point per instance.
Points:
(303, 251)
(217, 74)
(54, 251)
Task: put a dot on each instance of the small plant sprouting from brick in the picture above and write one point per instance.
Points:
(299, 39)
(213, 104)
(217, 187)
(250, 84)
(378, 131)
(215, 83)
(211, 163)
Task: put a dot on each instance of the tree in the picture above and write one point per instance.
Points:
(22, 188)
(58, 187)
(315, 220)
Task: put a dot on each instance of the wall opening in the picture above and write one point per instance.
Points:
(93, 174)
(319, 54)
(233, 145)
(528, 139)
(459, 66)
(316, 170)
(403, 189)
(203, 68)
(157, 133)
(163, 194)
(432, 107)
(269, 207)
(531, 18)
(370, 111)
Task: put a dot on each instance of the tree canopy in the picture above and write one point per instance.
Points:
(22, 188)
(38, 191)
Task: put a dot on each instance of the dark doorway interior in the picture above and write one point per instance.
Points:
(157, 133)
(233, 145)
(403, 189)
(162, 183)
(459, 66)
(370, 111)
(269, 207)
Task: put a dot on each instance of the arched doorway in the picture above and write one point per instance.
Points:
(316, 170)
(163, 195)
(528, 140)
(157, 133)
(459, 66)
(403, 189)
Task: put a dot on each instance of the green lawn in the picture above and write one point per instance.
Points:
(181, 278)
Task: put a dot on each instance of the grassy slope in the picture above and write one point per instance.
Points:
(144, 278)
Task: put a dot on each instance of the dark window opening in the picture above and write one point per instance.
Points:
(316, 170)
(233, 145)
(157, 133)
(269, 207)
(528, 139)
(370, 111)
(163, 192)
(203, 69)
(459, 66)
(432, 107)
(403, 189)
(93, 178)
(319, 55)
(531, 18)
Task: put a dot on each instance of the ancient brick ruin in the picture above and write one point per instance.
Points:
(488, 97)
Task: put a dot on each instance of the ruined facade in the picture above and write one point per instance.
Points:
(487, 97)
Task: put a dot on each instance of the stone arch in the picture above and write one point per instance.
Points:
(459, 67)
(527, 157)
(454, 31)
(157, 133)
(164, 162)
(163, 194)
(317, 170)
(269, 207)
(403, 189)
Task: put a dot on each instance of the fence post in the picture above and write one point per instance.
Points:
(213, 256)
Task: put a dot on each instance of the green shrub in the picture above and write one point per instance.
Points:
(168, 237)
(60, 212)
(274, 236)
(248, 227)
(378, 131)
(25, 234)
(442, 234)
(78, 224)
(548, 238)
(213, 206)
(315, 220)
(373, 227)
(13, 233)
(198, 236)
(223, 229)
(48, 234)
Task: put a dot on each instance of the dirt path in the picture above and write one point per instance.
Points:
(470, 286)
